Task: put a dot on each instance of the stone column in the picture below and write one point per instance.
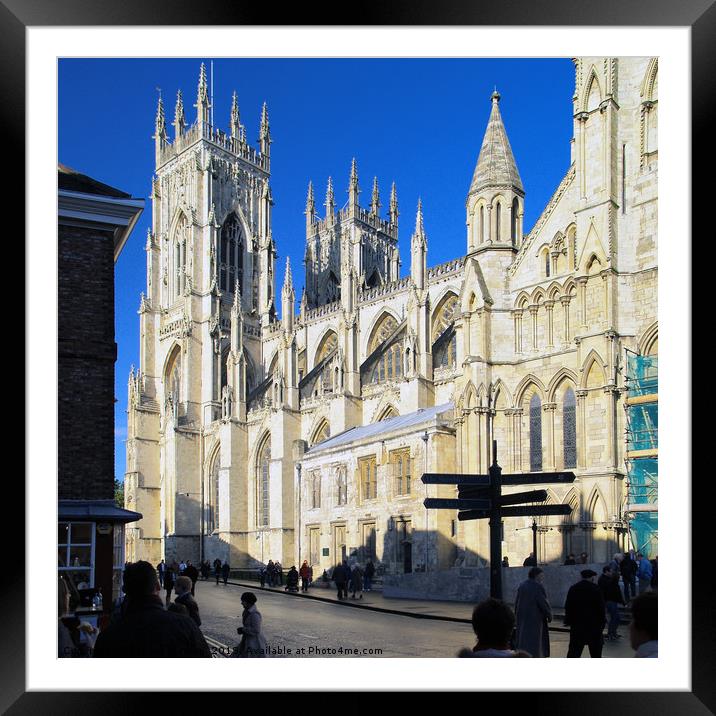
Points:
(581, 396)
(509, 419)
(549, 305)
(458, 434)
(607, 297)
(467, 338)
(465, 456)
(548, 409)
(565, 300)
(582, 283)
(533, 314)
(517, 317)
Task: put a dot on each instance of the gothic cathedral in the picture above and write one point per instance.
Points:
(257, 435)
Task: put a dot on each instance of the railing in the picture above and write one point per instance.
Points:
(448, 267)
(324, 310)
(371, 294)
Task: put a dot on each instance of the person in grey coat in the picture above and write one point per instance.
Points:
(253, 642)
(533, 615)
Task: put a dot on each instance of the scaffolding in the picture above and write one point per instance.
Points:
(642, 445)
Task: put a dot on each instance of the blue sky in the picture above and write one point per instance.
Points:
(418, 122)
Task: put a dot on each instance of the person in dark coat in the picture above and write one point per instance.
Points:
(253, 642)
(225, 569)
(161, 569)
(169, 577)
(530, 561)
(184, 597)
(368, 575)
(493, 623)
(193, 573)
(584, 615)
(533, 614)
(292, 579)
(609, 584)
(357, 582)
(146, 629)
(340, 577)
(279, 573)
(217, 570)
(628, 569)
(570, 559)
(271, 573)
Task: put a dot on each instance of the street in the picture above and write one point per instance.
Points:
(298, 627)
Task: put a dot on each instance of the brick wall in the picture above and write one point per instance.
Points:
(86, 356)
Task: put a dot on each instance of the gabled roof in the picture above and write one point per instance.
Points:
(71, 180)
(496, 164)
(373, 431)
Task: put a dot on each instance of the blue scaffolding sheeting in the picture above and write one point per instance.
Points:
(643, 469)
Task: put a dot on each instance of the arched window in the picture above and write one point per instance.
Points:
(389, 365)
(535, 433)
(569, 429)
(482, 224)
(546, 263)
(443, 334)
(179, 248)
(326, 347)
(342, 486)
(316, 489)
(513, 221)
(231, 255)
(173, 377)
(322, 433)
(262, 479)
(212, 507)
(498, 220)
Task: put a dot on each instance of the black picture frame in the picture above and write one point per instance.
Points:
(699, 15)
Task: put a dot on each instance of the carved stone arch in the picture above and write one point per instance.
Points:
(325, 344)
(522, 300)
(321, 430)
(181, 211)
(213, 453)
(592, 78)
(468, 399)
(171, 353)
(236, 209)
(528, 381)
(500, 395)
(538, 296)
(593, 358)
(647, 85)
(554, 291)
(590, 265)
(481, 396)
(261, 482)
(562, 375)
(375, 326)
(273, 363)
(570, 288)
(448, 301)
(251, 377)
(385, 410)
(557, 239)
(649, 340)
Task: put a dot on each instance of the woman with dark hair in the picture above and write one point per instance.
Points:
(253, 643)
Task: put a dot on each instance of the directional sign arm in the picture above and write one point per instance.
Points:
(436, 503)
(516, 511)
(538, 478)
(517, 498)
(436, 478)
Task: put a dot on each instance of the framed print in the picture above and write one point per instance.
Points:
(291, 390)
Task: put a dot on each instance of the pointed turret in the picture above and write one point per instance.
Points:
(353, 189)
(419, 250)
(496, 196)
(235, 122)
(265, 132)
(393, 205)
(179, 118)
(288, 298)
(202, 97)
(160, 130)
(310, 207)
(237, 338)
(375, 199)
(330, 200)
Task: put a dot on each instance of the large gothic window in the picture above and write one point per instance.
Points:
(390, 364)
(535, 434)
(444, 338)
(569, 427)
(179, 249)
(173, 377)
(231, 255)
(482, 224)
(212, 508)
(262, 484)
(316, 489)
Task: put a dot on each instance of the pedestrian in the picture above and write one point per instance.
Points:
(305, 576)
(533, 614)
(570, 559)
(505, 562)
(357, 582)
(146, 629)
(205, 569)
(279, 573)
(584, 615)
(184, 597)
(340, 577)
(169, 576)
(193, 573)
(262, 576)
(368, 576)
(627, 567)
(253, 642)
(225, 569)
(644, 627)
(161, 569)
(609, 584)
(271, 572)
(292, 580)
(644, 573)
(217, 570)
(654, 572)
(310, 575)
(326, 579)
(493, 623)
(583, 558)
(182, 567)
(530, 561)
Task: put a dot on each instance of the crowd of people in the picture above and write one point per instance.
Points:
(145, 625)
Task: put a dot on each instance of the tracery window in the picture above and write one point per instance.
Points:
(316, 489)
(212, 508)
(368, 477)
(321, 434)
(173, 377)
(231, 255)
(535, 433)
(498, 220)
(181, 239)
(390, 365)
(342, 485)
(445, 350)
(401, 471)
(262, 475)
(569, 429)
(513, 220)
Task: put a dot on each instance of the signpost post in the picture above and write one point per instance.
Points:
(480, 497)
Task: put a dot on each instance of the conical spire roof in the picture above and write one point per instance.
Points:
(495, 165)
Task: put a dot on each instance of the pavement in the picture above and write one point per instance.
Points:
(374, 600)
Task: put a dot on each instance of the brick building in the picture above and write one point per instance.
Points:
(94, 222)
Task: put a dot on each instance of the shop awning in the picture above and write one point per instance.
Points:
(95, 511)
